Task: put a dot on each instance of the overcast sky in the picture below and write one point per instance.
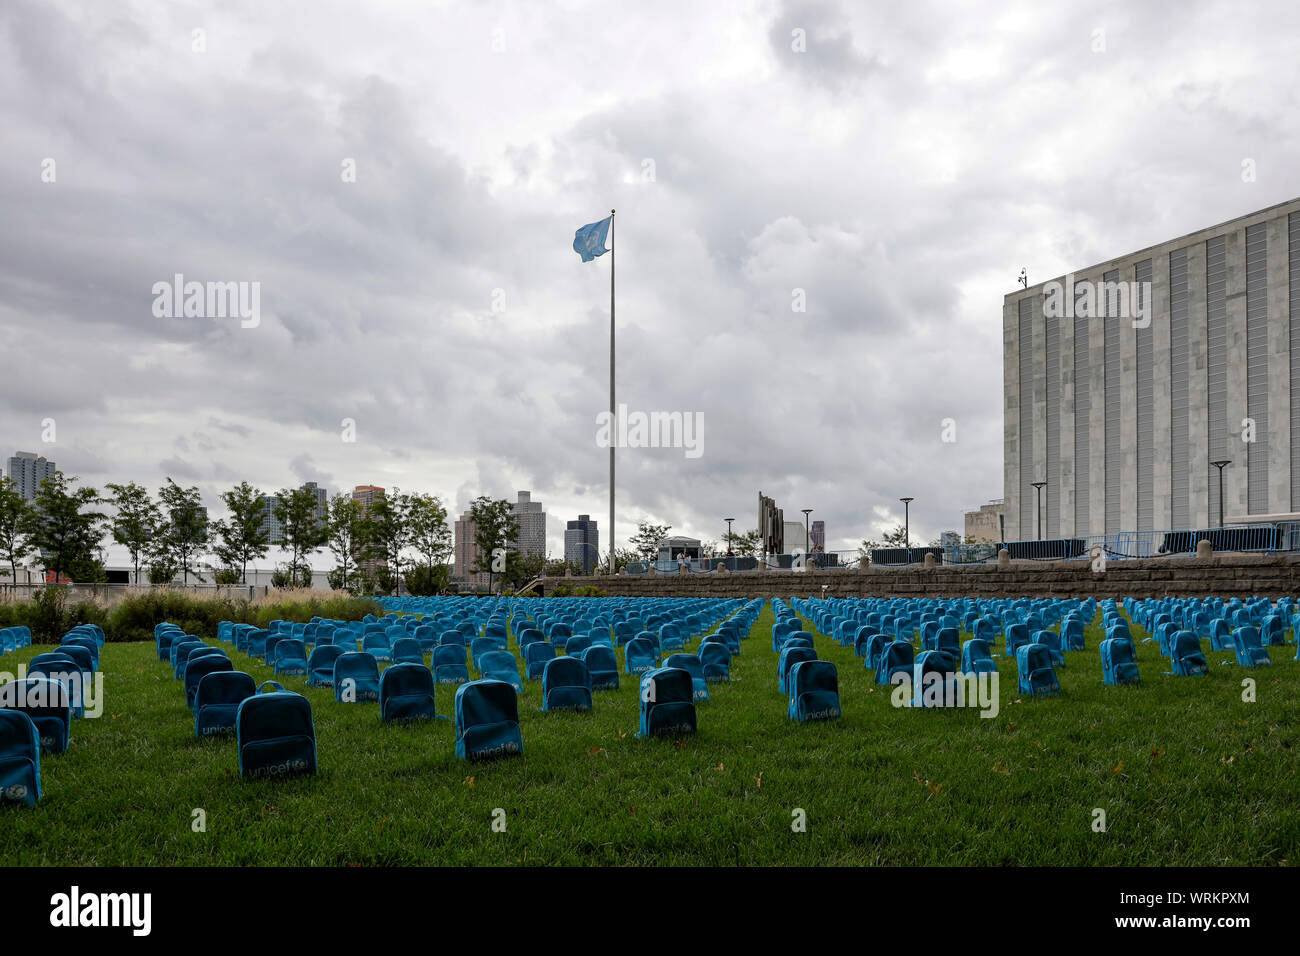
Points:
(900, 169)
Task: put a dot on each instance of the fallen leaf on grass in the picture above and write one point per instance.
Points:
(595, 750)
(997, 768)
(1157, 751)
(1118, 768)
(759, 780)
(469, 781)
(718, 767)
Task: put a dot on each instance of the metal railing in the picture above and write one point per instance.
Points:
(1265, 537)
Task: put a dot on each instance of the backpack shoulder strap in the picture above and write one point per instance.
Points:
(274, 685)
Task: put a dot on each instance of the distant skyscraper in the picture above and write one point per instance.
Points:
(274, 527)
(532, 525)
(467, 552)
(322, 500)
(367, 495)
(28, 470)
(271, 524)
(819, 535)
(582, 543)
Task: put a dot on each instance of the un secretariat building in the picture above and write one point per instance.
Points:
(1125, 380)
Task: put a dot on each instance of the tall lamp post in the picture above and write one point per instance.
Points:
(807, 534)
(1220, 464)
(907, 525)
(729, 520)
(1038, 489)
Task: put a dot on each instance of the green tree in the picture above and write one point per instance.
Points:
(387, 533)
(556, 568)
(425, 579)
(60, 526)
(185, 529)
(136, 523)
(744, 545)
(646, 540)
(521, 568)
(345, 537)
(243, 536)
(289, 576)
(304, 532)
(426, 520)
(228, 576)
(892, 539)
(15, 520)
(495, 534)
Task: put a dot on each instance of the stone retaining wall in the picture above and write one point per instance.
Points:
(1227, 575)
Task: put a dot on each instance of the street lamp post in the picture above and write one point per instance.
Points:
(907, 526)
(807, 535)
(729, 520)
(1038, 489)
(1220, 464)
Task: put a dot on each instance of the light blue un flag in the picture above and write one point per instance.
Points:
(589, 241)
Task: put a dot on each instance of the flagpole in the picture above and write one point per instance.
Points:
(612, 565)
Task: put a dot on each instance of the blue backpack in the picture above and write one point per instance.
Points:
(1250, 653)
(602, 665)
(20, 759)
(977, 657)
(896, 657)
(275, 734)
(691, 664)
(1072, 635)
(1017, 637)
(536, 654)
(407, 650)
(640, 654)
(291, 657)
(356, 678)
(667, 702)
(933, 662)
(566, 685)
(48, 704)
(1185, 657)
(487, 720)
(814, 691)
(320, 666)
(1036, 676)
(217, 700)
(670, 637)
(406, 693)
(501, 665)
(716, 661)
(1052, 641)
(1117, 664)
(449, 665)
(791, 654)
(200, 667)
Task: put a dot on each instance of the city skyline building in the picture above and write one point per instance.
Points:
(27, 470)
(582, 543)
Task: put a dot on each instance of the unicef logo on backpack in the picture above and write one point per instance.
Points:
(16, 791)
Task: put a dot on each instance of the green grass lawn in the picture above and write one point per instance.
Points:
(1187, 773)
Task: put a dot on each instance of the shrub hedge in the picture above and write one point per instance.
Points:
(50, 614)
